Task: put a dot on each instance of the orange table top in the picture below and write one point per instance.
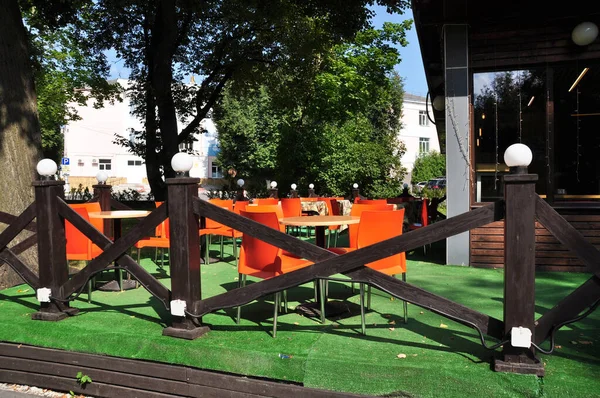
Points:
(113, 214)
(319, 221)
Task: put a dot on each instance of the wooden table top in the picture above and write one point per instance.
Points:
(113, 214)
(319, 221)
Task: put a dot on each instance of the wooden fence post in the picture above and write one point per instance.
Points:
(52, 251)
(518, 356)
(102, 191)
(184, 258)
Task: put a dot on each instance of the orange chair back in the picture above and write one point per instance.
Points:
(255, 254)
(265, 201)
(333, 209)
(356, 211)
(226, 203)
(91, 207)
(79, 246)
(377, 226)
(291, 207)
(268, 209)
(372, 201)
(240, 205)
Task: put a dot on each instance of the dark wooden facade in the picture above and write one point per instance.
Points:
(512, 35)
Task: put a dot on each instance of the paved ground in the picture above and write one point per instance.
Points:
(20, 391)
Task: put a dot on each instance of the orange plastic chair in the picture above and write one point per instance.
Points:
(79, 247)
(291, 207)
(356, 211)
(228, 232)
(333, 209)
(265, 201)
(263, 260)
(160, 241)
(374, 227)
(212, 227)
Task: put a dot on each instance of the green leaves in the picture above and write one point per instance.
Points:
(83, 379)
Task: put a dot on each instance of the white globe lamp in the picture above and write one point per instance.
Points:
(273, 184)
(517, 157)
(311, 186)
(294, 186)
(241, 182)
(182, 164)
(46, 168)
(585, 33)
(355, 186)
(102, 177)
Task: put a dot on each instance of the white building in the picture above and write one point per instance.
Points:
(418, 133)
(89, 146)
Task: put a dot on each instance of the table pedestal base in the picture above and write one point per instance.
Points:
(113, 286)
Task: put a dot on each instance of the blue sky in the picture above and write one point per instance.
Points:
(411, 67)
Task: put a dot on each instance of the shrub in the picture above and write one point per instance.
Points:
(428, 166)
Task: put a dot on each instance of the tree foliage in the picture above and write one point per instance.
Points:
(334, 127)
(428, 166)
(246, 42)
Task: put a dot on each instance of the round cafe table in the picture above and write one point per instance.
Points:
(322, 305)
(117, 215)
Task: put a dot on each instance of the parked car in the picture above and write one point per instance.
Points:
(437, 183)
(419, 186)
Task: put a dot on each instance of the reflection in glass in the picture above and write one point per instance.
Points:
(509, 107)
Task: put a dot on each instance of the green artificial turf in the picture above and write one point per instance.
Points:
(440, 358)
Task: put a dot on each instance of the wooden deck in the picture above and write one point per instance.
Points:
(118, 377)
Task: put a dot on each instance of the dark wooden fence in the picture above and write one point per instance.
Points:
(185, 211)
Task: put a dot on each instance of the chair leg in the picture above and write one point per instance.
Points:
(337, 232)
(275, 312)
(363, 327)
(323, 299)
(405, 304)
(235, 252)
(139, 255)
(285, 302)
(241, 283)
(207, 249)
(222, 245)
(369, 297)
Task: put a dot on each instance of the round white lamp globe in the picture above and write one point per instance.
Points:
(46, 167)
(311, 186)
(518, 155)
(240, 182)
(294, 186)
(355, 186)
(102, 177)
(585, 33)
(273, 184)
(439, 103)
(182, 162)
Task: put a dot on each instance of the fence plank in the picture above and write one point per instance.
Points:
(7, 218)
(568, 308)
(340, 264)
(17, 225)
(432, 302)
(568, 235)
(20, 268)
(115, 251)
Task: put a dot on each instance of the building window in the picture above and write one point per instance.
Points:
(104, 164)
(423, 145)
(134, 163)
(423, 121)
(216, 171)
(186, 146)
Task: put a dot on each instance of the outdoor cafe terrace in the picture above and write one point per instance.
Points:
(169, 327)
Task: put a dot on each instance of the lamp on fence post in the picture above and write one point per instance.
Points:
(184, 250)
(102, 193)
(240, 192)
(355, 191)
(293, 191)
(52, 254)
(273, 192)
(311, 191)
(518, 356)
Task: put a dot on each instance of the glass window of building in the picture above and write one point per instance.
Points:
(423, 121)
(105, 164)
(423, 145)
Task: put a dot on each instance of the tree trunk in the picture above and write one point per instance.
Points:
(20, 139)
